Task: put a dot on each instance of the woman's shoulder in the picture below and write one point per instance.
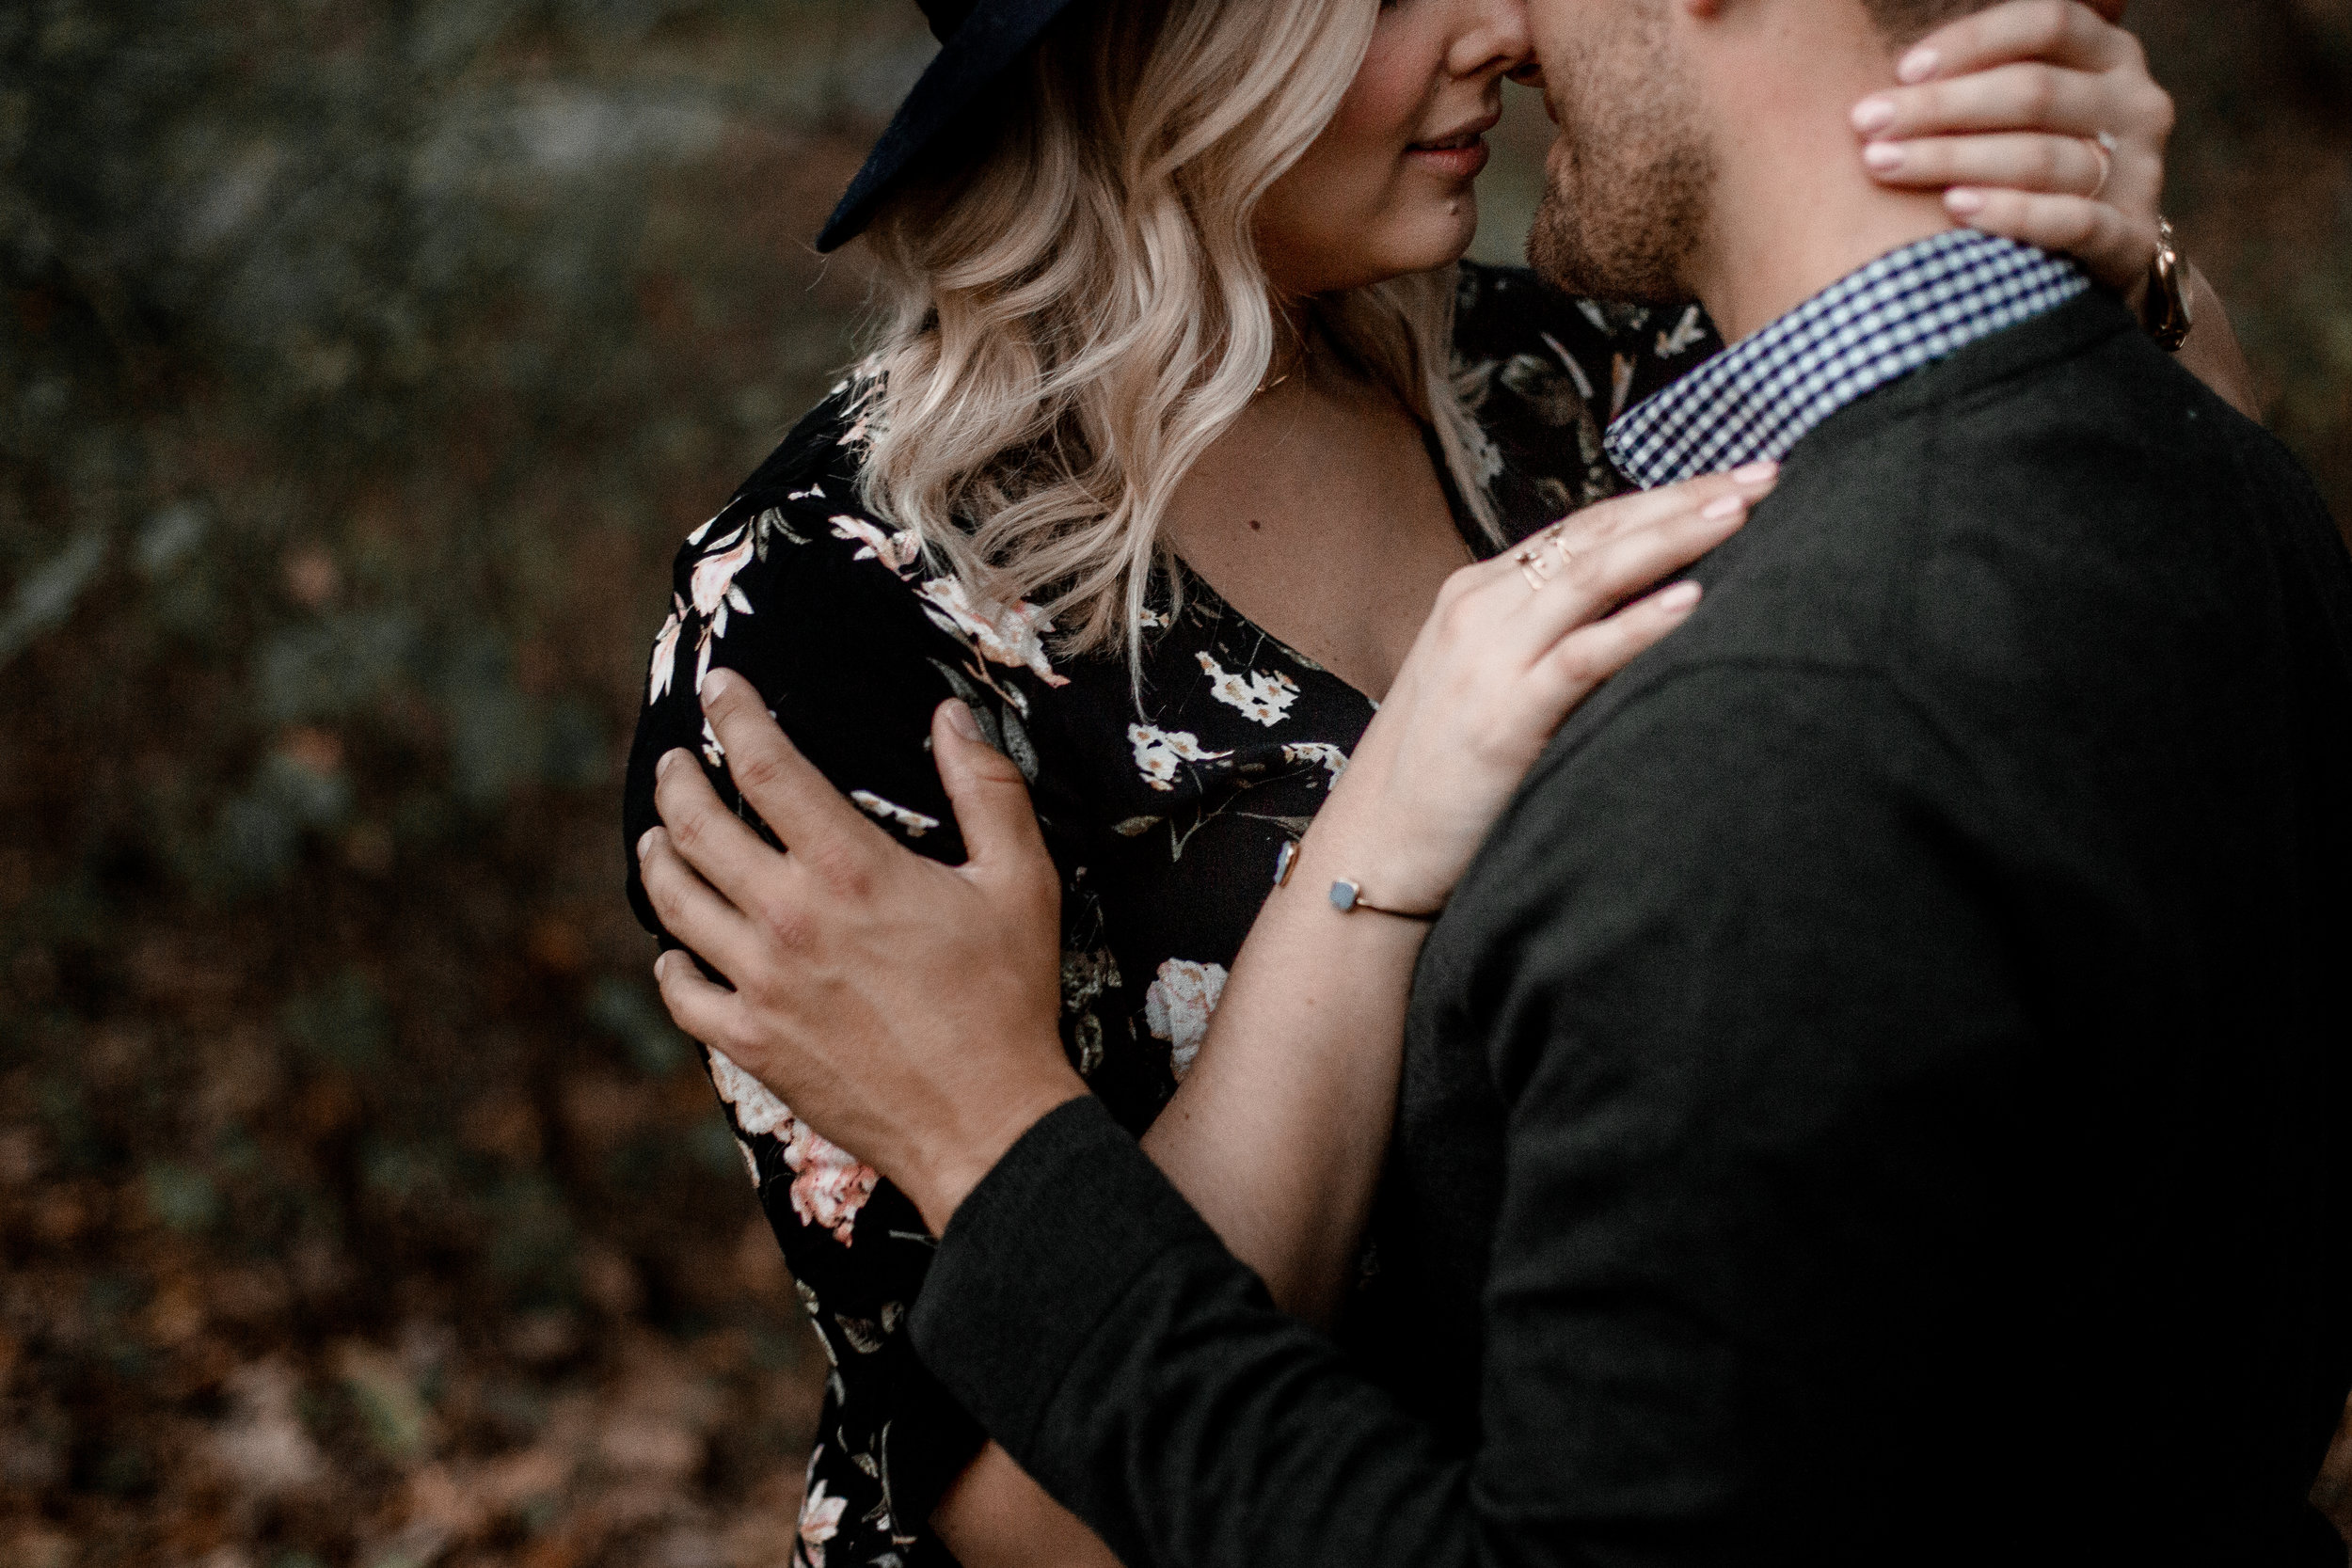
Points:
(823, 453)
(790, 533)
(795, 564)
(1545, 371)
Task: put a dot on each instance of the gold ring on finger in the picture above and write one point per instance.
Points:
(1530, 566)
(2104, 145)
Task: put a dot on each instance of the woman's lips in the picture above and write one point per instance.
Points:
(1459, 157)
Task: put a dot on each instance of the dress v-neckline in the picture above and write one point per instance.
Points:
(1198, 589)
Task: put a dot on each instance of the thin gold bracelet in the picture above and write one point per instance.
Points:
(1347, 897)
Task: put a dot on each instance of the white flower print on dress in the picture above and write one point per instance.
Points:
(665, 643)
(820, 1521)
(712, 580)
(896, 551)
(1158, 752)
(772, 524)
(1620, 383)
(757, 1108)
(1686, 335)
(828, 1185)
(1263, 699)
(1176, 1008)
(873, 805)
(1333, 760)
(712, 585)
(1005, 636)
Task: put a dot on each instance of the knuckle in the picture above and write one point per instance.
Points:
(2040, 87)
(1456, 623)
(843, 871)
(736, 1039)
(1578, 663)
(998, 771)
(754, 767)
(783, 920)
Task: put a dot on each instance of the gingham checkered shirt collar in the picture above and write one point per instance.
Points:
(1902, 312)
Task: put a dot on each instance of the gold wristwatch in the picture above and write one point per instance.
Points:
(2165, 312)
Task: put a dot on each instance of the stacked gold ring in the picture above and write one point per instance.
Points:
(1529, 559)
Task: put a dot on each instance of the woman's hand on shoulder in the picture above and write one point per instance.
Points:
(1512, 647)
(904, 1008)
(2007, 110)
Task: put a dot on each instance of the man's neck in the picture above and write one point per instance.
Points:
(1794, 210)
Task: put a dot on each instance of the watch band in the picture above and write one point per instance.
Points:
(2166, 313)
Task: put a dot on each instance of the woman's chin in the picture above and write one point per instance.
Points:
(1425, 243)
(1442, 238)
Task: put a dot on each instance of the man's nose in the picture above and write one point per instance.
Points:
(1498, 37)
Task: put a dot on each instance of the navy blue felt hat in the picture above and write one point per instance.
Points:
(978, 40)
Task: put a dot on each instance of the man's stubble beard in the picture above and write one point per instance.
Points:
(1628, 183)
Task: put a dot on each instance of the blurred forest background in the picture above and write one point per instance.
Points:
(361, 364)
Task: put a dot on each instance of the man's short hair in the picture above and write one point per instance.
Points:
(1909, 21)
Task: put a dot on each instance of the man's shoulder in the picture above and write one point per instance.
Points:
(2069, 415)
(1981, 588)
(2066, 472)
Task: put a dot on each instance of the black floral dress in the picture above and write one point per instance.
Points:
(1164, 819)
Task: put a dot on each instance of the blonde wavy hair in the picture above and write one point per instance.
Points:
(1073, 308)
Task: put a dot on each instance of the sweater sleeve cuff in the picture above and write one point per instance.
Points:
(1037, 1257)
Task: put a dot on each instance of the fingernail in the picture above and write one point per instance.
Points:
(1679, 598)
(669, 760)
(715, 686)
(1874, 114)
(1756, 473)
(1962, 201)
(1884, 156)
(666, 955)
(645, 842)
(1725, 506)
(961, 720)
(1917, 66)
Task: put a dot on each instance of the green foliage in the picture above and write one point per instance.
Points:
(337, 332)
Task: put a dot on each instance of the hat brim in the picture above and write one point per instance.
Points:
(981, 50)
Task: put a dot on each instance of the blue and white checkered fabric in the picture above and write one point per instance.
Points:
(1900, 313)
